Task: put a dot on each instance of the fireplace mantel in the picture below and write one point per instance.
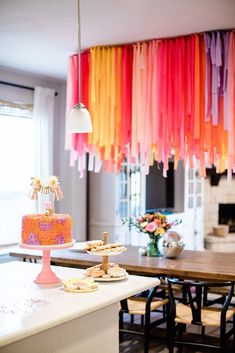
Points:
(222, 194)
(221, 244)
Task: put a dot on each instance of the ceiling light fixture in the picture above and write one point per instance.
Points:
(79, 118)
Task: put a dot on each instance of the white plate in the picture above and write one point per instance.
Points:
(111, 279)
(68, 285)
(88, 290)
(107, 253)
(79, 246)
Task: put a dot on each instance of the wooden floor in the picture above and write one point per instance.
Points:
(134, 343)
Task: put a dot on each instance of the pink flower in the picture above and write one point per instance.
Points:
(151, 227)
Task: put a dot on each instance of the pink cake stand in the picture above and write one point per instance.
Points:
(47, 276)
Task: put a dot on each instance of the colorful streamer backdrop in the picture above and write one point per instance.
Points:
(156, 99)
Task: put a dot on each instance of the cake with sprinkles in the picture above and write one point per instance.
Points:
(47, 228)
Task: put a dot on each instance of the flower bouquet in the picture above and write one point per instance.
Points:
(155, 225)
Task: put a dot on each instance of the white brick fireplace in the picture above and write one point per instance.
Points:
(213, 196)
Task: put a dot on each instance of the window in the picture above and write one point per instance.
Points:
(17, 166)
(131, 201)
(131, 190)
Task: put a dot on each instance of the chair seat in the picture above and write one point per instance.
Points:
(175, 287)
(209, 316)
(219, 290)
(137, 305)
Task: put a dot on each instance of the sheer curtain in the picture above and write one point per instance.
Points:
(17, 165)
(43, 116)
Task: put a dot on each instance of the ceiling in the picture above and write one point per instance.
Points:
(38, 36)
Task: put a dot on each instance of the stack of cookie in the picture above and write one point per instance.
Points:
(93, 244)
(98, 247)
(114, 271)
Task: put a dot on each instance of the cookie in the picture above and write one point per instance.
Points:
(93, 244)
(106, 276)
(97, 273)
(116, 271)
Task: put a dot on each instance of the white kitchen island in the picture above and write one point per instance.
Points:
(36, 319)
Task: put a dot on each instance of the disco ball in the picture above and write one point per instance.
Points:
(171, 244)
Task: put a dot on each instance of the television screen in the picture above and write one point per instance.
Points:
(160, 190)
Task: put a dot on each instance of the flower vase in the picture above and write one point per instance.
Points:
(152, 247)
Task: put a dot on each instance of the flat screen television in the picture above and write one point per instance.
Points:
(159, 189)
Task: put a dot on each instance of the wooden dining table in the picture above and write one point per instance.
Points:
(204, 265)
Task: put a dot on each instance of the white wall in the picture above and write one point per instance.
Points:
(102, 204)
(74, 188)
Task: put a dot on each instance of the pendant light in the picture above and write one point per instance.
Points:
(79, 118)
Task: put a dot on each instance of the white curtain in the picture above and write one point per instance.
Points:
(43, 115)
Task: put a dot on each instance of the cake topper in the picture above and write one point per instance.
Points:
(48, 208)
(52, 186)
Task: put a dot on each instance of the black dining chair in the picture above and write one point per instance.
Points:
(190, 311)
(214, 295)
(144, 305)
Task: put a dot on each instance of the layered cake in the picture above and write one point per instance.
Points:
(49, 228)
(43, 229)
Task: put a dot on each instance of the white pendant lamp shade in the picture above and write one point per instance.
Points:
(79, 119)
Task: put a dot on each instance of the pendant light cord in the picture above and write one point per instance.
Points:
(79, 53)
